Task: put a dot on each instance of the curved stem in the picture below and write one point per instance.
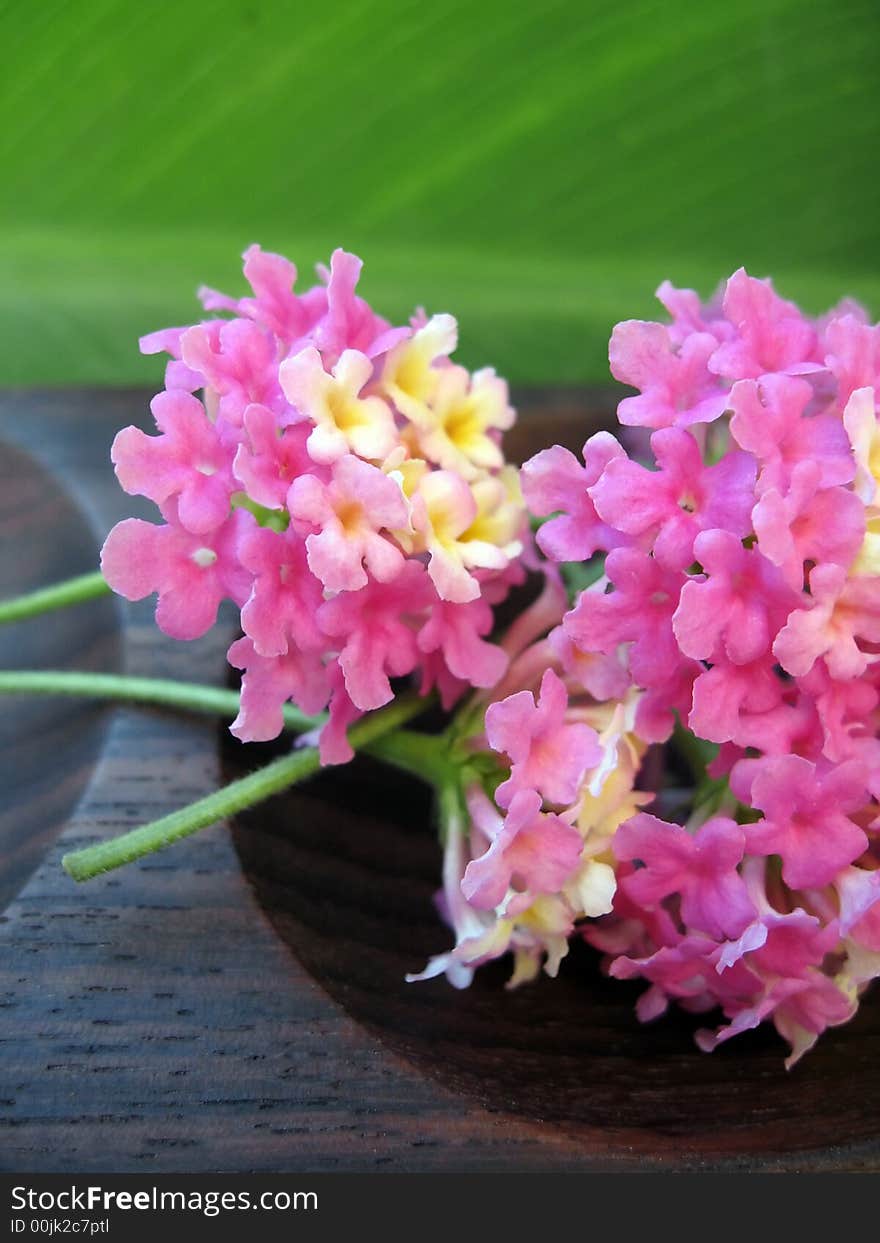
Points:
(286, 771)
(58, 596)
(160, 692)
(84, 864)
(423, 755)
(414, 753)
(451, 810)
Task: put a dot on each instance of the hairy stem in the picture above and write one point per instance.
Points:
(58, 596)
(160, 692)
(423, 755)
(286, 771)
(84, 864)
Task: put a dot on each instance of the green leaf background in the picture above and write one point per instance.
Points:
(536, 168)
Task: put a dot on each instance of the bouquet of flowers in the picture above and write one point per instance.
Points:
(706, 592)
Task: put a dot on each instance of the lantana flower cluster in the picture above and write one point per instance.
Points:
(739, 596)
(548, 762)
(341, 481)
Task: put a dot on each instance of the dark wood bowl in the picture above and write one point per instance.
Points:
(239, 1004)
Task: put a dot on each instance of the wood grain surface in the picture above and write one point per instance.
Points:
(237, 1003)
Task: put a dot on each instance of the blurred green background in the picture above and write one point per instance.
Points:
(536, 168)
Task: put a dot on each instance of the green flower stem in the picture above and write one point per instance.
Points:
(105, 856)
(423, 755)
(160, 692)
(84, 864)
(451, 808)
(58, 596)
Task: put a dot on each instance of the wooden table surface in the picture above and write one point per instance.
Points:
(237, 1003)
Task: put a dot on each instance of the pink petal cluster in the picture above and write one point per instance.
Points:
(737, 595)
(741, 592)
(548, 771)
(341, 481)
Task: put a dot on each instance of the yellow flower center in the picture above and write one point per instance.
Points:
(350, 515)
(411, 375)
(345, 410)
(462, 424)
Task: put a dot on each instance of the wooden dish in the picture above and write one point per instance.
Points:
(238, 1003)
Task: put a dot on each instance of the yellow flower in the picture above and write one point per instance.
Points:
(608, 797)
(344, 421)
(446, 516)
(409, 377)
(455, 428)
(860, 421)
(868, 558)
(500, 512)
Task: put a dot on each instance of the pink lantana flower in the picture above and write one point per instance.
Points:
(728, 697)
(238, 365)
(801, 1009)
(677, 387)
(344, 421)
(671, 505)
(286, 471)
(274, 306)
(769, 420)
(739, 604)
(554, 482)
(348, 516)
(808, 524)
(770, 334)
(845, 714)
(690, 316)
(191, 573)
(685, 971)
(285, 596)
(639, 612)
(267, 460)
(843, 610)
(188, 461)
(738, 607)
(701, 869)
(531, 852)
(350, 323)
(805, 817)
(458, 632)
(853, 355)
(341, 480)
(333, 744)
(374, 631)
(271, 681)
(605, 677)
(792, 943)
(664, 701)
(546, 754)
